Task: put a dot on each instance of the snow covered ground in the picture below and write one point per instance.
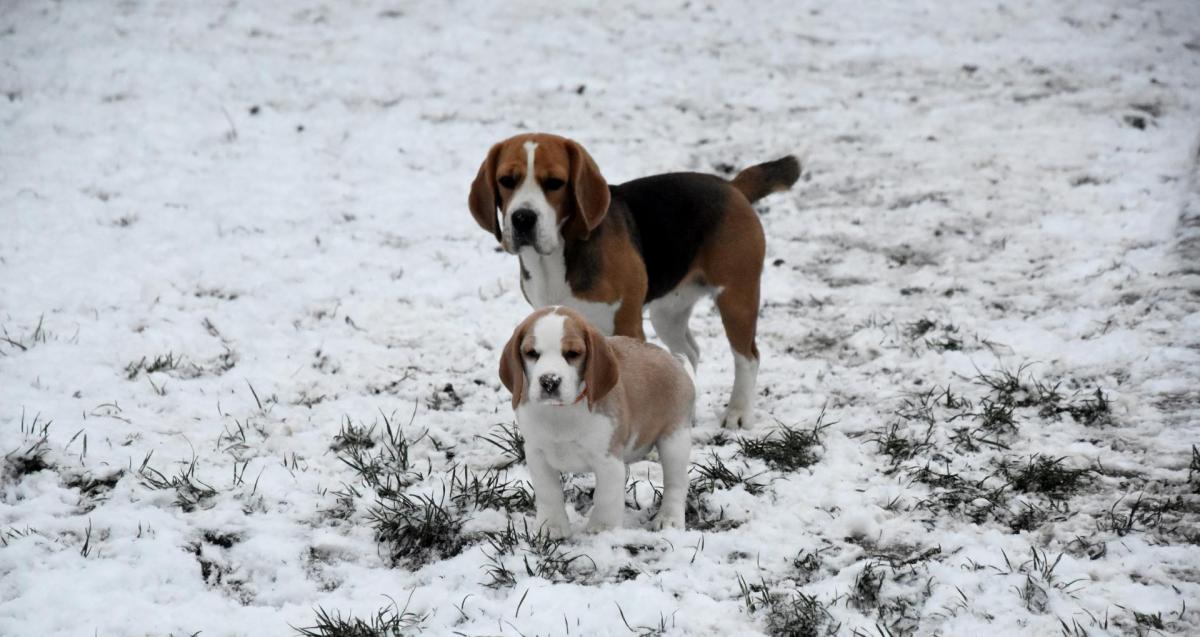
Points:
(234, 238)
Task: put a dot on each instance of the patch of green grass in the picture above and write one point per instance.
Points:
(389, 621)
(190, 491)
(30, 456)
(786, 448)
(353, 436)
(899, 447)
(700, 516)
(161, 363)
(516, 549)
(712, 473)
(787, 615)
(1044, 475)
(37, 335)
(510, 442)
(384, 465)
(919, 328)
(489, 490)
(417, 529)
(864, 594)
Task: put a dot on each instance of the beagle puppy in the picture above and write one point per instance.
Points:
(587, 402)
(660, 242)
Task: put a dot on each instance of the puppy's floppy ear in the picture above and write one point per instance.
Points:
(588, 185)
(512, 368)
(484, 198)
(600, 372)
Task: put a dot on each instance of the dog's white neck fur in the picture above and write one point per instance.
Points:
(547, 285)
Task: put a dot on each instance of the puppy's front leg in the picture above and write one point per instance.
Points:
(608, 505)
(548, 497)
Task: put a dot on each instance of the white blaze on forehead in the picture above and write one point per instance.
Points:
(548, 334)
(530, 149)
(529, 195)
(527, 191)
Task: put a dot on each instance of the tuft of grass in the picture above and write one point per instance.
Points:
(30, 456)
(1044, 475)
(952, 492)
(389, 621)
(351, 435)
(382, 466)
(919, 328)
(867, 586)
(535, 553)
(794, 615)
(417, 529)
(510, 442)
(1148, 620)
(444, 399)
(900, 447)
(700, 516)
(190, 491)
(160, 363)
(489, 490)
(786, 448)
(1091, 411)
(35, 336)
(714, 474)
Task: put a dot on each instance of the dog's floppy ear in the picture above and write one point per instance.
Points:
(512, 368)
(600, 372)
(588, 185)
(484, 198)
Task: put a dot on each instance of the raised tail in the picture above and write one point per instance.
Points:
(763, 179)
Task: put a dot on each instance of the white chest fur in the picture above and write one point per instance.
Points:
(571, 438)
(544, 281)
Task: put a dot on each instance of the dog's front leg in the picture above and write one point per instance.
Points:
(548, 497)
(608, 504)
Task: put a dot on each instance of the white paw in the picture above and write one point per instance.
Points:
(667, 520)
(555, 529)
(598, 523)
(737, 418)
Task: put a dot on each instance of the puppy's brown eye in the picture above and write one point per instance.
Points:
(532, 354)
(570, 355)
(508, 181)
(552, 184)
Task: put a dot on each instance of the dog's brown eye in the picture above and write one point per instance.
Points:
(570, 355)
(552, 184)
(532, 354)
(508, 181)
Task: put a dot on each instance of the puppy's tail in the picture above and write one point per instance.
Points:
(763, 179)
(688, 367)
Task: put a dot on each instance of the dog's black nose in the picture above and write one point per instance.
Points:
(550, 382)
(523, 220)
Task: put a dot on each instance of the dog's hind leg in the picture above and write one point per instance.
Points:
(673, 452)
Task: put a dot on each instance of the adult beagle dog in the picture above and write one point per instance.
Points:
(586, 402)
(660, 242)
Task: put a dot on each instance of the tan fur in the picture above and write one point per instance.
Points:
(733, 261)
(652, 394)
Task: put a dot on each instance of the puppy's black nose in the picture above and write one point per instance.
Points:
(523, 220)
(550, 382)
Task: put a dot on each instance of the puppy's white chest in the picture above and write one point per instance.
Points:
(571, 438)
(544, 282)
